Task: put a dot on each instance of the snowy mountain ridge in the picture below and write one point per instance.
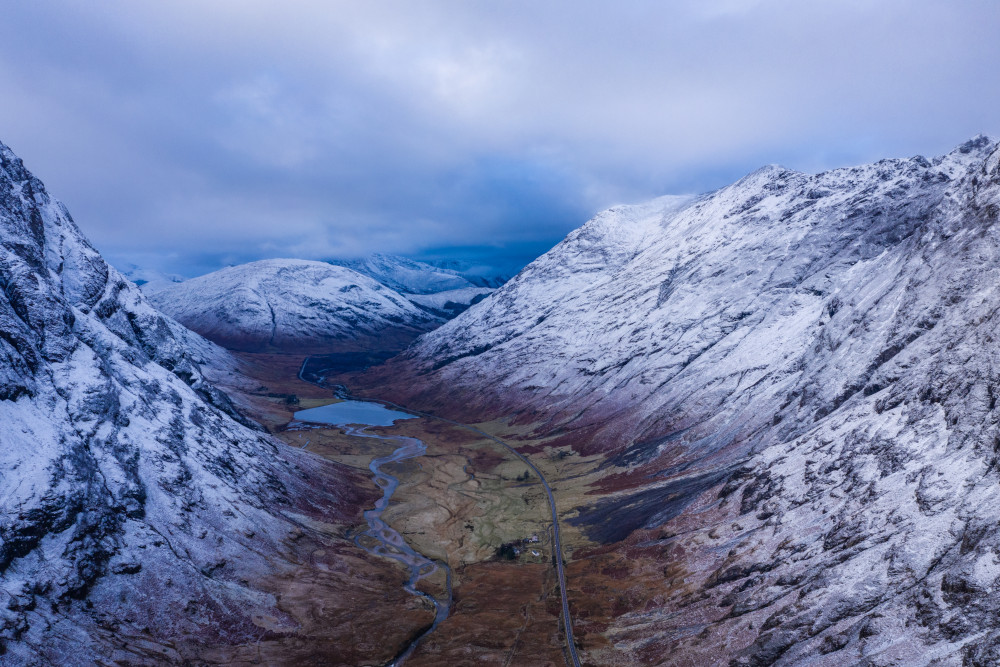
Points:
(678, 287)
(795, 378)
(409, 276)
(292, 304)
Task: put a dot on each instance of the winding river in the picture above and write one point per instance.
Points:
(382, 540)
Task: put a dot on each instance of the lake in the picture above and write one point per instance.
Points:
(352, 412)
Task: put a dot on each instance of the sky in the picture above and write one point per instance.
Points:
(189, 135)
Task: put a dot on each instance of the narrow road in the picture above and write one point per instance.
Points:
(557, 556)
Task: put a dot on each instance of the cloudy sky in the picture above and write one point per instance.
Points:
(187, 135)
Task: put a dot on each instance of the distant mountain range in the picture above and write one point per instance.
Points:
(413, 277)
(478, 274)
(149, 279)
(379, 303)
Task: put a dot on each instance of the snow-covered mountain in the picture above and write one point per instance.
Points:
(796, 378)
(407, 275)
(134, 500)
(443, 289)
(290, 304)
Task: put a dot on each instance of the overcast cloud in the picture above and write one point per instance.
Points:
(188, 135)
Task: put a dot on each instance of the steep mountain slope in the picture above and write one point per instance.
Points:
(672, 309)
(134, 501)
(289, 304)
(793, 380)
(407, 275)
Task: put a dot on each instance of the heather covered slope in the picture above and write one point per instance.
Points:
(134, 501)
(293, 305)
(793, 379)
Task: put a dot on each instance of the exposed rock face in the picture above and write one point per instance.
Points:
(132, 496)
(291, 304)
(798, 376)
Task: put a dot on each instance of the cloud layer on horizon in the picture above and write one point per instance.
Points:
(187, 135)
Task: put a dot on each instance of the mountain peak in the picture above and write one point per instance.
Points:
(293, 304)
(978, 143)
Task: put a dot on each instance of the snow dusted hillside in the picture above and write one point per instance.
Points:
(289, 304)
(134, 501)
(450, 303)
(700, 308)
(442, 291)
(796, 376)
(407, 275)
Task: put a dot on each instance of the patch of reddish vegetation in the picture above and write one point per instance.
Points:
(503, 613)
(327, 491)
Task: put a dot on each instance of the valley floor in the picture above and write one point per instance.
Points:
(471, 504)
(467, 502)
